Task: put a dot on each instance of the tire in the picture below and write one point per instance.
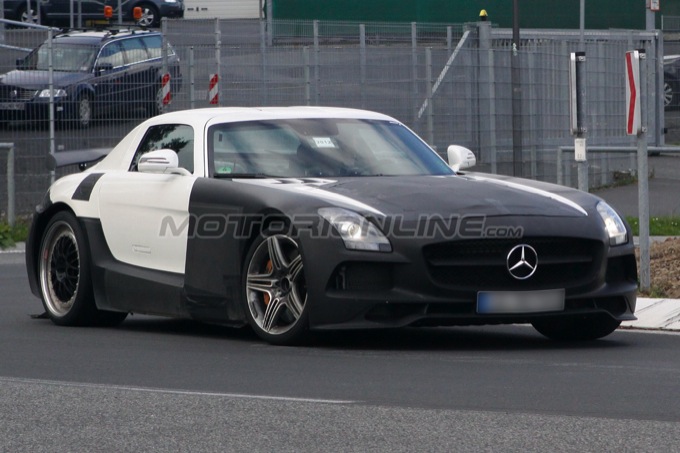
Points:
(84, 111)
(28, 16)
(670, 94)
(275, 290)
(577, 328)
(155, 105)
(150, 15)
(64, 276)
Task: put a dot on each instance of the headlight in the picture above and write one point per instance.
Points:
(612, 224)
(170, 1)
(355, 230)
(58, 93)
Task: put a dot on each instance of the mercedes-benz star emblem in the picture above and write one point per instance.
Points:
(14, 94)
(522, 261)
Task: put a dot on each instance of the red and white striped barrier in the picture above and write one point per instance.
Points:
(214, 89)
(165, 84)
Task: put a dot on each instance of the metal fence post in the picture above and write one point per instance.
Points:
(263, 51)
(428, 85)
(218, 58)
(270, 24)
(192, 79)
(317, 82)
(362, 63)
(643, 180)
(414, 73)
(11, 195)
(308, 88)
(487, 98)
(657, 87)
(449, 39)
(164, 57)
(560, 170)
(50, 63)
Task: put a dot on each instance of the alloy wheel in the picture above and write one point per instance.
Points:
(275, 285)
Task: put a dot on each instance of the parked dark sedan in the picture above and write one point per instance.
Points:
(94, 73)
(59, 11)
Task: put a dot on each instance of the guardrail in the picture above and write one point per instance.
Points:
(4, 22)
(11, 196)
(604, 150)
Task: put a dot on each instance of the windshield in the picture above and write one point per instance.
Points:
(66, 57)
(320, 148)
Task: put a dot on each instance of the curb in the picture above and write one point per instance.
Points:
(19, 247)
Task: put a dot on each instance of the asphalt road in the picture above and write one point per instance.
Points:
(163, 385)
(664, 189)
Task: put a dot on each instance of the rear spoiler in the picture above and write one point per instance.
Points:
(81, 157)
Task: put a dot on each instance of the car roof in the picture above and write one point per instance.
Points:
(209, 116)
(205, 117)
(99, 36)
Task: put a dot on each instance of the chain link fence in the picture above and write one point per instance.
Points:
(450, 83)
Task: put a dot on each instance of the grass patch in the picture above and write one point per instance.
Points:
(11, 235)
(658, 226)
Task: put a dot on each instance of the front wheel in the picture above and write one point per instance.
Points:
(275, 290)
(84, 111)
(576, 328)
(64, 275)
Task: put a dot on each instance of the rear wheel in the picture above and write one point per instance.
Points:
(150, 15)
(155, 104)
(29, 15)
(670, 93)
(574, 328)
(64, 275)
(275, 290)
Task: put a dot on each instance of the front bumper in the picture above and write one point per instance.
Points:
(172, 10)
(34, 110)
(371, 290)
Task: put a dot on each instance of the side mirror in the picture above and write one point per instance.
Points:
(161, 161)
(460, 157)
(102, 68)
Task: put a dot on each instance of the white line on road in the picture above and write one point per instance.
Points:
(172, 392)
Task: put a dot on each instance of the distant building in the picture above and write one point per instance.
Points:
(223, 9)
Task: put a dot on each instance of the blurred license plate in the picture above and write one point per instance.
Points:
(11, 106)
(503, 302)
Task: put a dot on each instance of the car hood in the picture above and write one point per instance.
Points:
(41, 79)
(412, 196)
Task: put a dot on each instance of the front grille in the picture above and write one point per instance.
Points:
(15, 94)
(482, 264)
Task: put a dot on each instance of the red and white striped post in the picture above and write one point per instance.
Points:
(165, 87)
(214, 90)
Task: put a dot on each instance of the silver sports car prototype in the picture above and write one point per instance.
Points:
(306, 218)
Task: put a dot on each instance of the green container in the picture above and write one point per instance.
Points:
(600, 14)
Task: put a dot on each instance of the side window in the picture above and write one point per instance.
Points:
(178, 137)
(134, 50)
(154, 44)
(111, 53)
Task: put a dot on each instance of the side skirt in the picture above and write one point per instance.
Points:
(124, 287)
